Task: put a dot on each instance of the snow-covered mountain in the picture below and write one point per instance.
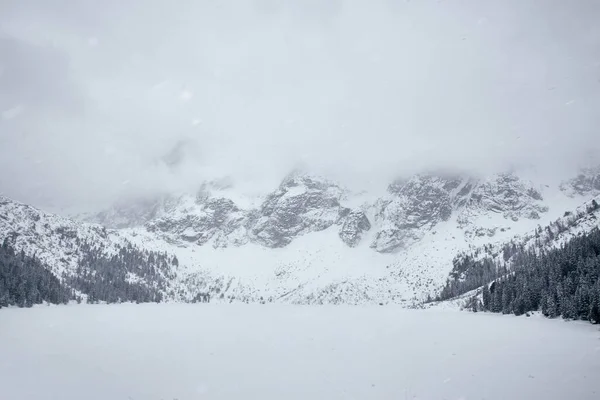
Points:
(53, 239)
(311, 240)
(80, 253)
(217, 217)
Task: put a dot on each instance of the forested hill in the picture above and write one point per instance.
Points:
(24, 281)
(561, 281)
(130, 274)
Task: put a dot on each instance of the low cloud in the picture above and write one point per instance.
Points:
(104, 100)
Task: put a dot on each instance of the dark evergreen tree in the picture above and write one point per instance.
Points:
(487, 297)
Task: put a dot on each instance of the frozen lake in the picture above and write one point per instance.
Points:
(185, 352)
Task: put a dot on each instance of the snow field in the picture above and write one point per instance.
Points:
(274, 351)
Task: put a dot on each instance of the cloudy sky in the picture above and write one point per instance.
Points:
(105, 99)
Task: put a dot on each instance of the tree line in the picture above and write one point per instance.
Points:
(127, 274)
(563, 281)
(130, 274)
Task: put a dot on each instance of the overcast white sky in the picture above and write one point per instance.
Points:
(104, 99)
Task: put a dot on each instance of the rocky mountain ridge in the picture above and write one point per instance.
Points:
(311, 241)
(303, 204)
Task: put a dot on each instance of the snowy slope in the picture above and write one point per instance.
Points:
(53, 239)
(544, 238)
(552, 235)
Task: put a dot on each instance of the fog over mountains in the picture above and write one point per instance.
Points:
(105, 102)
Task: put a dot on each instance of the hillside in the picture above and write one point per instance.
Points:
(556, 270)
(89, 261)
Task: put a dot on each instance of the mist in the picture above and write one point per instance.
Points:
(105, 100)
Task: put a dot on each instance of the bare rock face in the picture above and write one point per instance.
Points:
(353, 227)
(504, 194)
(586, 183)
(414, 206)
(200, 221)
(417, 205)
(300, 205)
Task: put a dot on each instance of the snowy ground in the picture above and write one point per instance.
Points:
(199, 351)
